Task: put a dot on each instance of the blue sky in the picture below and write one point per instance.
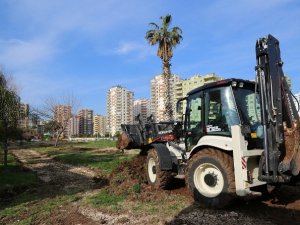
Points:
(55, 48)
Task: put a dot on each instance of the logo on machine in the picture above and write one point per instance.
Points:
(211, 128)
(165, 132)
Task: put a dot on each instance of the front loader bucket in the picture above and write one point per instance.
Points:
(123, 141)
(130, 138)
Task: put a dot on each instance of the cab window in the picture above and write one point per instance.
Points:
(220, 112)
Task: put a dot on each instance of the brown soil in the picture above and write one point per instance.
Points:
(283, 207)
(131, 173)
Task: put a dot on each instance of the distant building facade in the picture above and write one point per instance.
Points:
(62, 114)
(100, 125)
(74, 126)
(288, 81)
(86, 122)
(24, 116)
(182, 87)
(119, 108)
(142, 108)
(158, 89)
(297, 96)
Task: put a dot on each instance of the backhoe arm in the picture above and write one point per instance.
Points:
(280, 118)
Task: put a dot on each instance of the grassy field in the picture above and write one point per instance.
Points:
(100, 155)
(33, 207)
(14, 176)
(40, 201)
(98, 144)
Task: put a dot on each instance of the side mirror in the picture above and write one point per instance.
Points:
(180, 104)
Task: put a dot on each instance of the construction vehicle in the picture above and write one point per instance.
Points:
(235, 135)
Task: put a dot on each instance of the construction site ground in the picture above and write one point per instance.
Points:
(68, 194)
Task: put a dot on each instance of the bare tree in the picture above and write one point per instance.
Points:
(9, 114)
(58, 113)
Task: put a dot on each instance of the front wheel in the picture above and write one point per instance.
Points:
(210, 178)
(156, 177)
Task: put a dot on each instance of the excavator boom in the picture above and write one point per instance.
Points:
(280, 118)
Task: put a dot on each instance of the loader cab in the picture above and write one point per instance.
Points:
(214, 108)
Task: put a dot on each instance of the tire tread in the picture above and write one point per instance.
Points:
(226, 162)
(163, 177)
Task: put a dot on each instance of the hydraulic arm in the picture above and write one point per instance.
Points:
(280, 118)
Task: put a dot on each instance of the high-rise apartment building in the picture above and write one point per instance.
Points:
(288, 81)
(62, 114)
(142, 108)
(24, 116)
(297, 96)
(184, 86)
(158, 90)
(86, 122)
(74, 126)
(100, 125)
(119, 108)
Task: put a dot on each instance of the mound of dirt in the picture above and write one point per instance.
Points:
(133, 169)
(130, 178)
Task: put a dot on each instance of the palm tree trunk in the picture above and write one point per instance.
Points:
(167, 92)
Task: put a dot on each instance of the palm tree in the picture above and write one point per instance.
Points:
(167, 39)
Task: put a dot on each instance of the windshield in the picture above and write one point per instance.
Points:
(249, 107)
(220, 113)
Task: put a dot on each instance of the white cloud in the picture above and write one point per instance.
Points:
(128, 47)
(18, 53)
(138, 50)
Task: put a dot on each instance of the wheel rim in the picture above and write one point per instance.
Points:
(208, 180)
(152, 170)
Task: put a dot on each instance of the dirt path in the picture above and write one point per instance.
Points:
(62, 178)
(54, 172)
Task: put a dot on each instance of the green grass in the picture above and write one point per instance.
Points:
(98, 144)
(89, 154)
(34, 210)
(105, 162)
(14, 175)
(101, 144)
(105, 199)
(166, 206)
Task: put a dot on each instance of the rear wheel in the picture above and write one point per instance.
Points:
(210, 178)
(156, 177)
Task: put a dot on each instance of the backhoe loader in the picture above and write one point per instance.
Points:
(234, 136)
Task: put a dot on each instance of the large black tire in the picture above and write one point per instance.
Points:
(210, 178)
(156, 177)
